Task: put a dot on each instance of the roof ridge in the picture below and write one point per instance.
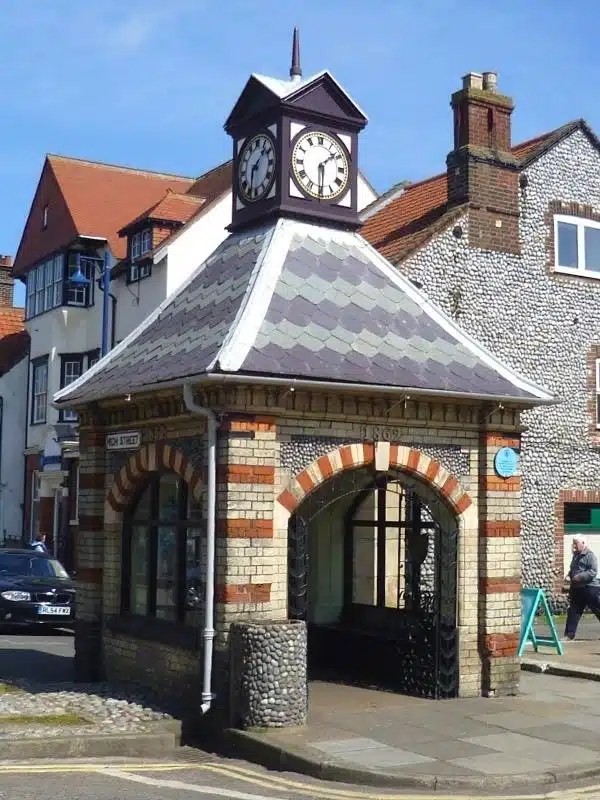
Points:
(119, 167)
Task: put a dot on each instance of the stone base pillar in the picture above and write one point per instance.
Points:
(88, 651)
(268, 679)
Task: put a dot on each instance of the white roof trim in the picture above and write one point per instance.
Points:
(256, 302)
(287, 89)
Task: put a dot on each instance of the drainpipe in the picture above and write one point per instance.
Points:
(208, 632)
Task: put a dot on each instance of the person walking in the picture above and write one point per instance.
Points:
(39, 543)
(584, 585)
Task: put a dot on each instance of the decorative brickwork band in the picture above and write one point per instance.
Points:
(242, 473)
(507, 529)
(150, 458)
(248, 423)
(500, 585)
(243, 593)
(386, 456)
(499, 645)
(241, 528)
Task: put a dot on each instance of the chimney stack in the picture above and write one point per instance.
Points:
(6, 282)
(482, 170)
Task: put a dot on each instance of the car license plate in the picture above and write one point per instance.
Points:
(55, 611)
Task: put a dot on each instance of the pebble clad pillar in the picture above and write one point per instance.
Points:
(268, 674)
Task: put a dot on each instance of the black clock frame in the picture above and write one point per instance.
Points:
(237, 177)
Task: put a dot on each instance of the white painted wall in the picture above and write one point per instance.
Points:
(365, 195)
(136, 300)
(14, 425)
(193, 245)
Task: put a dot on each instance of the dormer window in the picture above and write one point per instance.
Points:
(141, 243)
(577, 246)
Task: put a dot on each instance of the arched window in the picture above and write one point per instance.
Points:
(164, 552)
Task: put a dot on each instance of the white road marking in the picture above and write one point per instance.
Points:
(189, 787)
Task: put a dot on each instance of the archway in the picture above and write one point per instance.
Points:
(147, 459)
(373, 569)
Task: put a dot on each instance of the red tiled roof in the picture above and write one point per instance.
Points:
(210, 187)
(407, 221)
(171, 207)
(97, 200)
(14, 339)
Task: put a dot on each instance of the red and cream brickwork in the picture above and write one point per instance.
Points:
(256, 496)
(500, 567)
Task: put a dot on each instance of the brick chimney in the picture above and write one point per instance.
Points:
(482, 170)
(6, 282)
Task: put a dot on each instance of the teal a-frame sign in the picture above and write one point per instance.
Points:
(531, 601)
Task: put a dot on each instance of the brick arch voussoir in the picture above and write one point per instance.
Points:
(386, 456)
(150, 458)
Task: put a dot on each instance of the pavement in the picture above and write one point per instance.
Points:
(547, 735)
(529, 744)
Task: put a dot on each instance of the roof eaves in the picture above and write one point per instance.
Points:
(556, 136)
(429, 231)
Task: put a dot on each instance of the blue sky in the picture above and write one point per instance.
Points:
(149, 84)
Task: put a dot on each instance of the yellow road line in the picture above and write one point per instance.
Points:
(95, 767)
(297, 787)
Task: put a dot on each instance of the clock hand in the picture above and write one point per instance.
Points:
(321, 177)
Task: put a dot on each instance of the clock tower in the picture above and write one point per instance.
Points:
(295, 149)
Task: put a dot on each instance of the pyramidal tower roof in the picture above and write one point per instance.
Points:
(293, 301)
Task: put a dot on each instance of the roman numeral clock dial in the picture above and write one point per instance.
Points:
(256, 168)
(320, 165)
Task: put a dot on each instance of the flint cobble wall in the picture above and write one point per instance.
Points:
(543, 324)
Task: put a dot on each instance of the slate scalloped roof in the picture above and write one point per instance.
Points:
(295, 300)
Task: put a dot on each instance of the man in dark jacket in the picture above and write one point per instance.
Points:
(584, 585)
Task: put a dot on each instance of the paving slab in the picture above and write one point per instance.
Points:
(540, 738)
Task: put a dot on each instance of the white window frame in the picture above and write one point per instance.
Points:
(141, 243)
(31, 277)
(58, 268)
(67, 377)
(146, 241)
(581, 224)
(35, 502)
(39, 395)
(40, 289)
(80, 295)
(138, 272)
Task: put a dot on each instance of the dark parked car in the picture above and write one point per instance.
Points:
(35, 589)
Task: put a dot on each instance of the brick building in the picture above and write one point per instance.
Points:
(507, 241)
(301, 430)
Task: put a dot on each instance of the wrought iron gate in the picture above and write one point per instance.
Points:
(397, 625)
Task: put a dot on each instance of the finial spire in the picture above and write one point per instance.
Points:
(296, 69)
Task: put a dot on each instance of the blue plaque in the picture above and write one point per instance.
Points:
(505, 462)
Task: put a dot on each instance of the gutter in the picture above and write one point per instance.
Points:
(306, 383)
(208, 632)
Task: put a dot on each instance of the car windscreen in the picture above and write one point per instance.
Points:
(23, 564)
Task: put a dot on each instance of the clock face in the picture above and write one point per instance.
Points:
(320, 165)
(256, 168)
